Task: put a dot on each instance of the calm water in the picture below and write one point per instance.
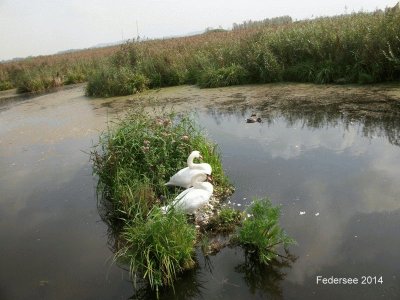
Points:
(337, 180)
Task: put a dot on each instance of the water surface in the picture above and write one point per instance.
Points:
(332, 168)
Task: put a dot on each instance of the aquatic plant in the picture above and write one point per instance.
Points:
(143, 151)
(260, 232)
(159, 247)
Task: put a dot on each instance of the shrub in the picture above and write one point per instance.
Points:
(37, 81)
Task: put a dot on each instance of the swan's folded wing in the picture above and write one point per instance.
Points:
(182, 194)
(180, 178)
(193, 200)
(206, 168)
(184, 177)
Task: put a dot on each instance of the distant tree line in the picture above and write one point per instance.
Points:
(266, 22)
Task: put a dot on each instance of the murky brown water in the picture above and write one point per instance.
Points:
(329, 156)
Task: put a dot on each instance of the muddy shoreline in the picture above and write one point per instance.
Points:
(266, 97)
(269, 96)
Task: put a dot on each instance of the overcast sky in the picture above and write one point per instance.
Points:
(35, 27)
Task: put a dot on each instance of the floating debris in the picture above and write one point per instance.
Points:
(302, 213)
(317, 214)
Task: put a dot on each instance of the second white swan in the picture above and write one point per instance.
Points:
(184, 176)
(193, 198)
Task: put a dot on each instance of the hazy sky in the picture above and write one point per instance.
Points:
(34, 27)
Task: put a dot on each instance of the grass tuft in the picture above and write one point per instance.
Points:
(159, 247)
(260, 233)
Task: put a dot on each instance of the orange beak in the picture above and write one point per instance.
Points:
(209, 178)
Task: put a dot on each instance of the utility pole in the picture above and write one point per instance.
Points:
(137, 30)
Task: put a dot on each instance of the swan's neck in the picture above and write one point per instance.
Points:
(190, 162)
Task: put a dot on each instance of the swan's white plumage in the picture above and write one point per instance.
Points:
(184, 176)
(193, 198)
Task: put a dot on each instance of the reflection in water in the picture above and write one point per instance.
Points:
(310, 158)
(52, 245)
(262, 280)
(334, 164)
(265, 279)
(376, 118)
(338, 164)
(188, 286)
(192, 284)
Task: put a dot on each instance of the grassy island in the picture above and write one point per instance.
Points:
(133, 161)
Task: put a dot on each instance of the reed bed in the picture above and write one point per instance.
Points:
(41, 73)
(358, 48)
(355, 48)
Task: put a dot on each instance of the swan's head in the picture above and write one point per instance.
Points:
(196, 154)
(209, 178)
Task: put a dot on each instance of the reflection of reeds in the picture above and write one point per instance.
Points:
(377, 118)
(265, 278)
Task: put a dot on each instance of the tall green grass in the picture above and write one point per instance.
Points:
(357, 48)
(261, 233)
(41, 73)
(354, 48)
(158, 248)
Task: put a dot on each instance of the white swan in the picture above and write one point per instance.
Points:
(184, 176)
(193, 198)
